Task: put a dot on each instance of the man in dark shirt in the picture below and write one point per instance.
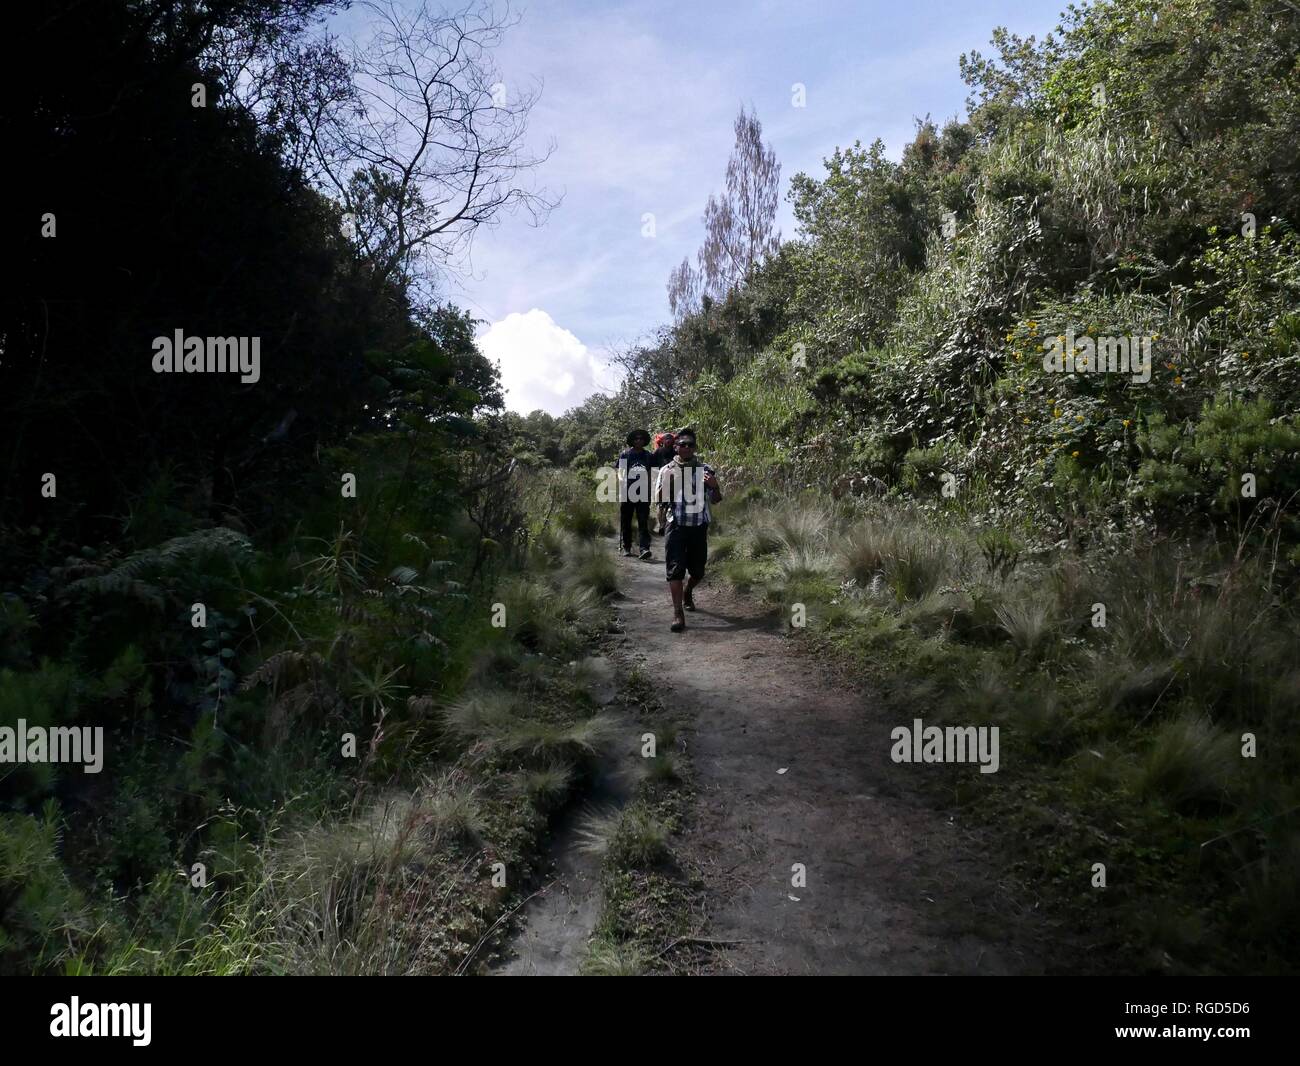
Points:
(634, 484)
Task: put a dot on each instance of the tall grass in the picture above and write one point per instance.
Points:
(1134, 712)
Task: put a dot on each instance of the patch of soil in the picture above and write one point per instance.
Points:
(792, 767)
(555, 924)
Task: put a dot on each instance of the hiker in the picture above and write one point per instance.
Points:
(664, 453)
(634, 467)
(686, 486)
(662, 456)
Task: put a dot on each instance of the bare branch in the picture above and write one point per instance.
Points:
(437, 150)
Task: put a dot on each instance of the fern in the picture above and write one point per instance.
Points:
(146, 575)
(285, 668)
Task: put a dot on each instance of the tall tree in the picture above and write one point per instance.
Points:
(683, 290)
(738, 224)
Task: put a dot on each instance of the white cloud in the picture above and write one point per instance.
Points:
(542, 364)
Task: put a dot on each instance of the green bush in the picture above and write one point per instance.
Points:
(44, 918)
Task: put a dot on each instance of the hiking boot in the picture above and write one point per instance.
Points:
(688, 601)
(679, 623)
(645, 553)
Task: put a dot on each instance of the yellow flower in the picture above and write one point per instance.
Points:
(1075, 454)
(1056, 412)
(1178, 381)
(1245, 355)
(1126, 422)
(1025, 421)
(1078, 418)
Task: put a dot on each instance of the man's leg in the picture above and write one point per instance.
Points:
(643, 527)
(696, 557)
(625, 526)
(675, 564)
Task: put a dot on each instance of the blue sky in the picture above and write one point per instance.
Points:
(639, 99)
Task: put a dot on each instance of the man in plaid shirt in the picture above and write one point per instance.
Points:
(686, 486)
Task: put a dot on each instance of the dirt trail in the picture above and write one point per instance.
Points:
(556, 923)
(894, 886)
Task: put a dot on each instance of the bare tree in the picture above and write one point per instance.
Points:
(653, 367)
(683, 291)
(432, 147)
(292, 85)
(738, 224)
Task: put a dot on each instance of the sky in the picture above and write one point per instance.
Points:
(637, 103)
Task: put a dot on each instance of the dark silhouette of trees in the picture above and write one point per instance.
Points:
(139, 213)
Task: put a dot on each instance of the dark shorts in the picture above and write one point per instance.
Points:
(686, 548)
